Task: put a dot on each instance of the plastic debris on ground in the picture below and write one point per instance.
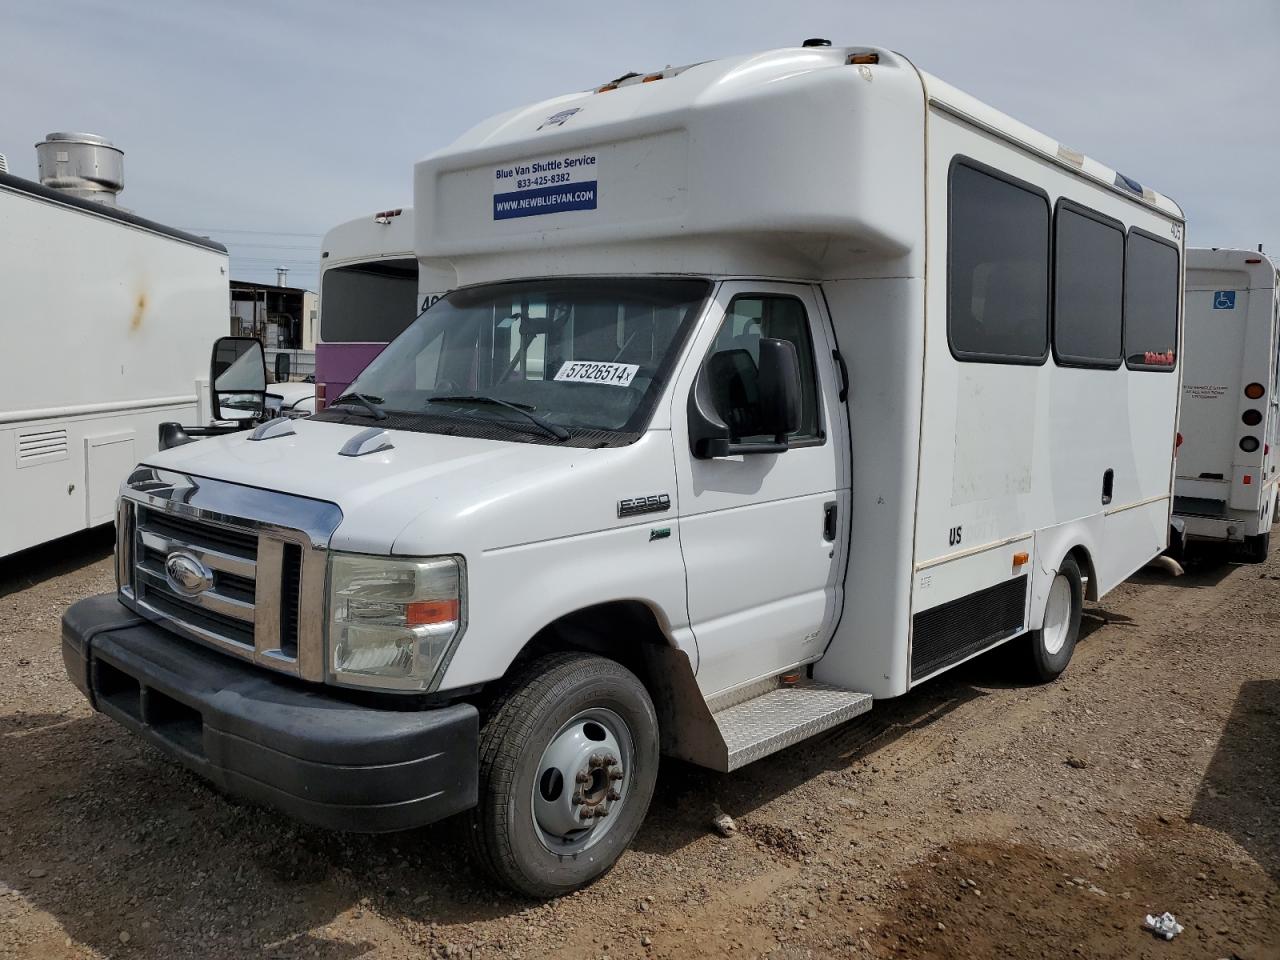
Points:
(1163, 926)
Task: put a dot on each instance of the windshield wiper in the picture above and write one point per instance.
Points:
(369, 403)
(559, 432)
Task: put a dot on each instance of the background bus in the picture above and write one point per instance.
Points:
(1230, 425)
(371, 288)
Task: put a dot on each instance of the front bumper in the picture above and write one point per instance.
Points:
(271, 739)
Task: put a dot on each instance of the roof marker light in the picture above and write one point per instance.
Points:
(1254, 260)
(861, 58)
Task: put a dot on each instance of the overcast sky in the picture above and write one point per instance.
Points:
(265, 123)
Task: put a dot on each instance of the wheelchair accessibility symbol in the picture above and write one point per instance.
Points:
(1224, 300)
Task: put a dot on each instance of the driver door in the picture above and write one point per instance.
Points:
(763, 535)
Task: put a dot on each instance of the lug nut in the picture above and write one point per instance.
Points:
(613, 795)
(615, 774)
(596, 761)
(583, 777)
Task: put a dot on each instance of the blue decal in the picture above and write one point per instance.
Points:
(1224, 299)
(534, 203)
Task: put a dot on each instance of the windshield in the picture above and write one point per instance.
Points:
(580, 354)
(369, 302)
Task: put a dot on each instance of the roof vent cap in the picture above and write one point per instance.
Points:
(816, 42)
(84, 165)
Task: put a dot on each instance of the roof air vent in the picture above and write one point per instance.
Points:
(816, 42)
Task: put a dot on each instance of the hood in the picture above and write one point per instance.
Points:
(446, 491)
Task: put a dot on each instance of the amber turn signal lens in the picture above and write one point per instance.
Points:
(1254, 391)
(1020, 559)
(421, 613)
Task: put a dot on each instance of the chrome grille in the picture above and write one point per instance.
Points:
(223, 613)
(260, 590)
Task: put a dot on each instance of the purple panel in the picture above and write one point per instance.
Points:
(337, 364)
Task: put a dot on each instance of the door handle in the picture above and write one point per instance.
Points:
(1108, 485)
(844, 375)
(829, 522)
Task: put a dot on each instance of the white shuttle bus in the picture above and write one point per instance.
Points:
(107, 325)
(371, 289)
(1226, 484)
(772, 386)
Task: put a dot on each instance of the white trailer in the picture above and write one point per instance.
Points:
(1226, 483)
(107, 328)
(773, 385)
(371, 288)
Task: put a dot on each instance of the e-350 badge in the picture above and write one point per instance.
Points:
(657, 503)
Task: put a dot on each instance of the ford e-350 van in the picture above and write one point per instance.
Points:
(819, 379)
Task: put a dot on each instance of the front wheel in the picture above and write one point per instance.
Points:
(568, 761)
(1049, 649)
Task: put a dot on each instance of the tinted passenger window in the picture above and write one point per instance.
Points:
(1088, 289)
(1150, 303)
(997, 269)
(736, 355)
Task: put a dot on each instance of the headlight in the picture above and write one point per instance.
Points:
(393, 621)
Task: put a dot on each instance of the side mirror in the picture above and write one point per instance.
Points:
(733, 397)
(779, 389)
(238, 379)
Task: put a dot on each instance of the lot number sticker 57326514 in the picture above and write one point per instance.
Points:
(587, 371)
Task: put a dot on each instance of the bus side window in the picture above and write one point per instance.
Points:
(997, 267)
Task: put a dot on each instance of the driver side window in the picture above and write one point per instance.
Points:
(735, 357)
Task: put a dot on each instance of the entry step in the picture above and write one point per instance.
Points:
(782, 716)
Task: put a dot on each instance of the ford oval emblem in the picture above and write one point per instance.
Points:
(187, 574)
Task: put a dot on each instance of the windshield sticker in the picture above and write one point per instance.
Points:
(585, 371)
(547, 185)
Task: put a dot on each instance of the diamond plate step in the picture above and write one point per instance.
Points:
(784, 715)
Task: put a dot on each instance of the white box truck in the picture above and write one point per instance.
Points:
(1225, 493)
(107, 328)
(748, 410)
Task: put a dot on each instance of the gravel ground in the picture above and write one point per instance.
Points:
(974, 817)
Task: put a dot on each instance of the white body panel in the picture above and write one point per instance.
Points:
(368, 240)
(1232, 326)
(107, 331)
(787, 173)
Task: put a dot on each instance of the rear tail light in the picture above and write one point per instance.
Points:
(1178, 442)
(320, 397)
(1251, 418)
(1255, 391)
(1249, 444)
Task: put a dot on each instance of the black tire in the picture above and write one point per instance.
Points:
(1044, 664)
(1256, 549)
(545, 696)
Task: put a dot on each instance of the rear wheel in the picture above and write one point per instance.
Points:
(1049, 649)
(1256, 549)
(568, 761)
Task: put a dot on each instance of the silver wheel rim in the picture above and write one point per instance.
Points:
(1057, 616)
(580, 785)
